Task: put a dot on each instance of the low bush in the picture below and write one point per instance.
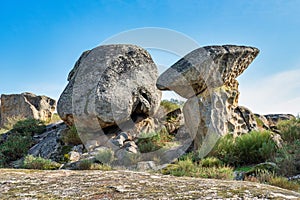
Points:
(169, 105)
(15, 147)
(187, 167)
(31, 162)
(30, 126)
(251, 148)
(85, 165)
(211, 162)
(105, 156)
(71, 136)
(289, 130)
(284, 183)
(287, 157)
(153, 141)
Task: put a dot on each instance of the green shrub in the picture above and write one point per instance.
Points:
(15, 147)
(31, 126)
(187, 167)
(169, 105)
(105, 156)
(85, 165)
(31, 162)
(71, 136)
(153, 141)
(251, 148)
(289, 130)
(55, 118)
(211, 162)
(287, 157)
(284, 183)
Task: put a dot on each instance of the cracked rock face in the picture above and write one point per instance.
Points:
(25, 105)
(207, 67)
(207, 78)
(112, 84)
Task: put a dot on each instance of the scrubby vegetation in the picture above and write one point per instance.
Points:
(170, 105)
(31, 162)
(153, 141)
(71, 136)
(29, 126)
(252, 148)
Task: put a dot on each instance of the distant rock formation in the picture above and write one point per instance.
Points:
(26, 105)
(110, 85)
(207, 77)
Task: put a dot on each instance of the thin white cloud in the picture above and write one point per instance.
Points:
(278, 93)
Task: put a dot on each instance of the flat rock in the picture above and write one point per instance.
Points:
(207, 67)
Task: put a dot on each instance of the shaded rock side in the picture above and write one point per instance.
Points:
(26, 105)
(207, 67)
(110, 84)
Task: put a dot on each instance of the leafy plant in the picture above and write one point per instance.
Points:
(289, 130)
(31, 162)
(284, 183)
(169, 105)
(15, 147)
(251, 148)
(211, 162)
(30, 126)
(148, 142)
(105, 156)
(71, 136)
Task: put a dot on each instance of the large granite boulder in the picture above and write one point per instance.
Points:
(207, 67)
(110, 85)
(207, 77)
(26, 105)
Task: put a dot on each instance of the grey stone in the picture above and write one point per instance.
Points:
(145, 166)
(26, 105)
(49, 145)
(207, 67)
(112, 82)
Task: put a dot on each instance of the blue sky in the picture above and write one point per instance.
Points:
(41, 40)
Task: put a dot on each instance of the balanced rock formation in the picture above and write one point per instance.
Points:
(26, 105)
(110, 85)
(207, 77)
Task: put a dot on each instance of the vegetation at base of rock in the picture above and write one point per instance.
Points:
(211, 162)
(30, 126)
(153, 141)
(54, 119)
(170, 105)
(287, 157)
(105, 156)
(289, 130)
(284, 183)
(187, 167)
(252, 148)
(31, 162)
(71, 136)
(15, 147)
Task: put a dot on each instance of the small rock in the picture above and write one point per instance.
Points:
(145, 166)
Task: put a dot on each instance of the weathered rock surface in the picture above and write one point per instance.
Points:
(273, 119)
(66, 184)
(49, 145)
(26, 105)
(207, 77)
(113, 83)
(207, 67)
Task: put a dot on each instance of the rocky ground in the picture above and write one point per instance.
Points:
(65, 184)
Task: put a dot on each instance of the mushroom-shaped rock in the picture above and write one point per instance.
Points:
(207, 67)
(111, 84)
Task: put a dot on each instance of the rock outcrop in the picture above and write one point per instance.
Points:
(207, 77)
(109, 86)
(26, 105)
